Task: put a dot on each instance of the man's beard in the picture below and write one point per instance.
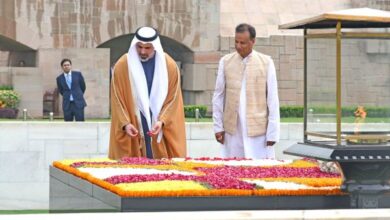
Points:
(147, 58)
(144, 60)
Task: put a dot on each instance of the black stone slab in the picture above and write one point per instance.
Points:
(65, 197)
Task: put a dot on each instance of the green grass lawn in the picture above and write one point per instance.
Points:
(291, 120)
(11, 212)
(200, 119)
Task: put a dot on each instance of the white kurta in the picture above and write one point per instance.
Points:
(239, 144)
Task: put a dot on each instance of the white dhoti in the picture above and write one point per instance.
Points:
(240, 145)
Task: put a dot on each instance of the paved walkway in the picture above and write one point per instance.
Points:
(218, 215)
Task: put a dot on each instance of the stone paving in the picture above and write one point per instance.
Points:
(220, 215)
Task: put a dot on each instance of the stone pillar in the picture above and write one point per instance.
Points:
(5, 76)
(199, 79)
(27, 81)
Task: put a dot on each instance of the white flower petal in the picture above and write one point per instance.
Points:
(265, 162)
(103, 173)
(286, 185)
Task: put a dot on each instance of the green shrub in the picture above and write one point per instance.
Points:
(297, 111)
(9, 99)
(346, 111)
(189, 110)
(291, 111)
(6, 87)
(377, 112)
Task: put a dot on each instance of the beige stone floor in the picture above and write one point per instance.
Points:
(219, 215)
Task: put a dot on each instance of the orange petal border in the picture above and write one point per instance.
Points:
(183, 193)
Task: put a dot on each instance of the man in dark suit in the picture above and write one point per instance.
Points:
(71, 86)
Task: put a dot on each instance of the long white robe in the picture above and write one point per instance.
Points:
(239, 144)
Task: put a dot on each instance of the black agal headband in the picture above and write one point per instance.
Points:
(146, 34)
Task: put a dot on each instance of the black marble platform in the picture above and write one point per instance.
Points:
(69, 193)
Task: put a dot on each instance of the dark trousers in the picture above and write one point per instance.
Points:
(74, 113)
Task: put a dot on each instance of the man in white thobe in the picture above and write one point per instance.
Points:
(245, 103)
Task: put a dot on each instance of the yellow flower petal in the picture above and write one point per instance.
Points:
(167, 185)
(70, 161)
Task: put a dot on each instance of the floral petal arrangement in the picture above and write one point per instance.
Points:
(142, 177)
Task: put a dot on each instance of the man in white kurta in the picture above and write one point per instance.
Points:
(238, 143)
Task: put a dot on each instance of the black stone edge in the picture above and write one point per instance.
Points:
(306, 150)
(373, 154)
(54, 211)
(235, 203)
